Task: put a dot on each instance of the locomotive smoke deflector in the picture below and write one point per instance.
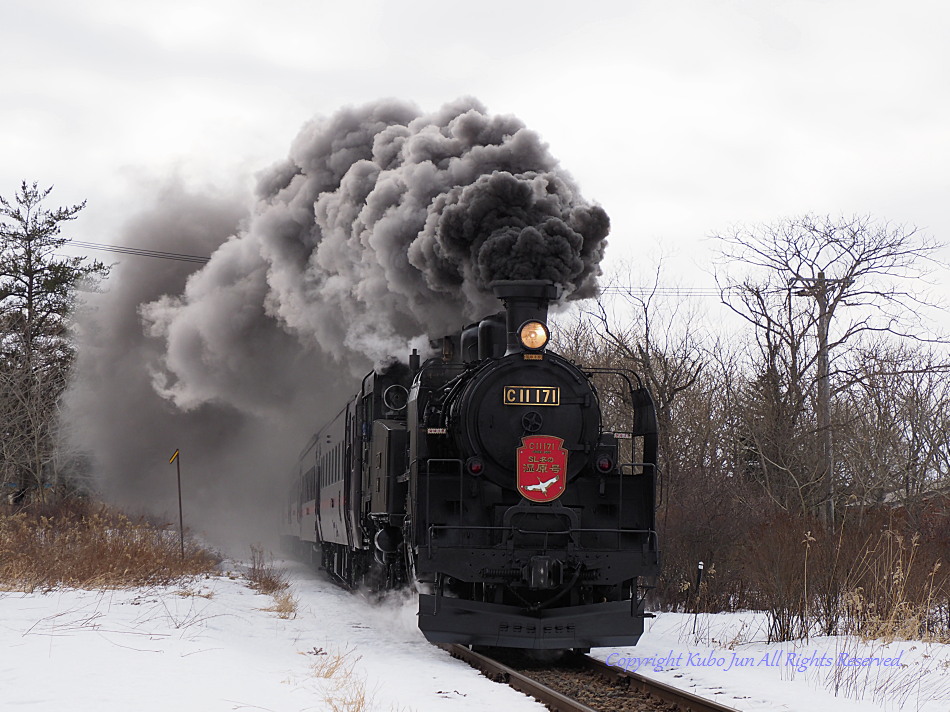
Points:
(526, 301)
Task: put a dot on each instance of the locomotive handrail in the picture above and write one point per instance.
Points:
(652, 536)
(637, 398)
(458, 470)
(625, 373)
(583, 530)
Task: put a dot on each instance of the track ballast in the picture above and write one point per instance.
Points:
(579, 683)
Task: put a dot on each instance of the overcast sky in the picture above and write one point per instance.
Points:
(680, 118)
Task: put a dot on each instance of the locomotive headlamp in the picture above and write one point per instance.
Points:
(534, 335)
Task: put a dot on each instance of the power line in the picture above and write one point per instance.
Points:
(138, 251)
(663, 291)
(620, 290)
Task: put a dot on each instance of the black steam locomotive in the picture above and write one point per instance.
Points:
(485, 478)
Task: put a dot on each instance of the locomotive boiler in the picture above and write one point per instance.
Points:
(486, 478)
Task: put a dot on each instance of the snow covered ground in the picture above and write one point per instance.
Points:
(727, 659)
(212, 645)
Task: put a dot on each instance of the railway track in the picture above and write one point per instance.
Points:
(582, 684)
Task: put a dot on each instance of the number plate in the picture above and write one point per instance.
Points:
(532, 395)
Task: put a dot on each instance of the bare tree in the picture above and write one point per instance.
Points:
(812, 287)
(647, 327)
(654, 336)
(645, 330)
(894, 437)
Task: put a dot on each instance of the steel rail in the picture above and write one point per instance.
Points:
(685, 701)
(502, 673)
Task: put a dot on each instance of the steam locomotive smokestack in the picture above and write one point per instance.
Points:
(525, 300)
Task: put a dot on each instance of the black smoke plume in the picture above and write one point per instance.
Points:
(383, 227)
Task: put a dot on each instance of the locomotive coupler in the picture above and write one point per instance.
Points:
(540, 572)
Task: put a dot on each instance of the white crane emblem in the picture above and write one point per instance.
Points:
(542, 487)
(541, 467)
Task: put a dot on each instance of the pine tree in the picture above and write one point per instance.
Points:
(37, 295)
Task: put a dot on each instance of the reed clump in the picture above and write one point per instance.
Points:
(82, 544)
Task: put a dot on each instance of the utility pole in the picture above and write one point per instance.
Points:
(181, 519)
(818, 288)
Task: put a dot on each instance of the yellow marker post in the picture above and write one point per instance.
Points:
(181, 520)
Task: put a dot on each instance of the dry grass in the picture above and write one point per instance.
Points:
(871, 581)
(906, 686)
(347, 689)
(87, 545)
(881, 574)
(348, 695)
(285, 605)
(333, 664)
(893, 594)
(263, 576)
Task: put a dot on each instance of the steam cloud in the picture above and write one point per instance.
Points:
(381, 228)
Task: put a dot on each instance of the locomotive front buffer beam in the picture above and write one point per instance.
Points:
(455, 620)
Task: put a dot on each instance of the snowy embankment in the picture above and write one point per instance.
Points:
(723, 657)
(212, 645)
